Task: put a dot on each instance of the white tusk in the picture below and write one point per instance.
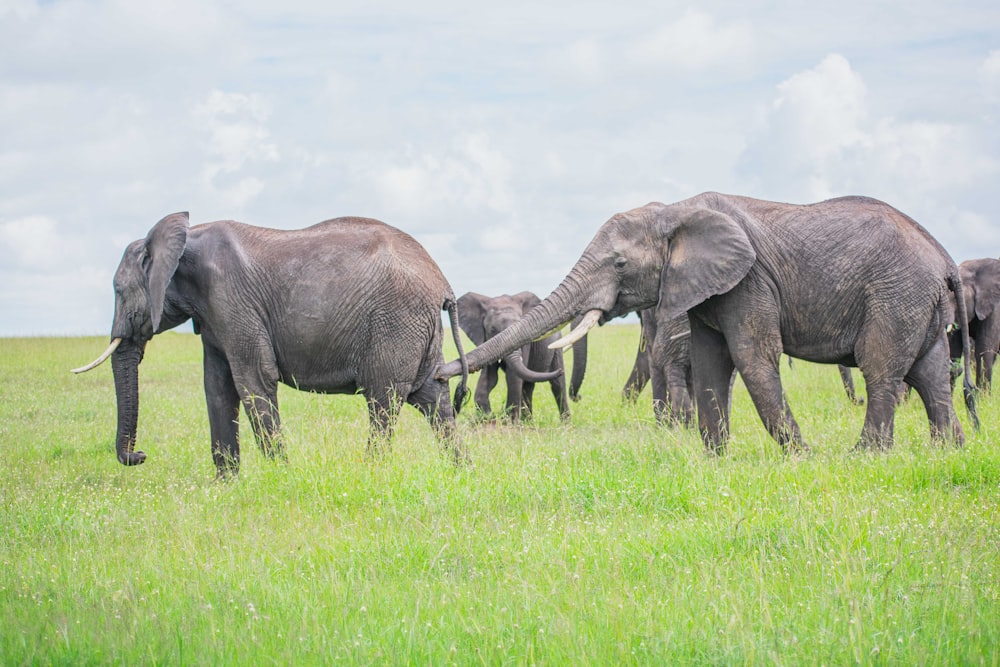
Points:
(586, 324)
(553, 331)
(101, 359)
(682, 334)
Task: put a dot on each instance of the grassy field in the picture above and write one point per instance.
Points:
(607, 540)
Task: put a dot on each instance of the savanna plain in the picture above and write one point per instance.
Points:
(604, 540)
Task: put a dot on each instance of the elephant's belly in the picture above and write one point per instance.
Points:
(320, 379)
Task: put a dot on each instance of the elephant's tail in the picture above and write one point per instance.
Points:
(462, 390)
(968, 389)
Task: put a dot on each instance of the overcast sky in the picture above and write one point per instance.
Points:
(501, 135)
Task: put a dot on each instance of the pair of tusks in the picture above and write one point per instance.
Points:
(101, 359)
(586, 324)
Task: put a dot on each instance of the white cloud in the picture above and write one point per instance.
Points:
(237, 138)
(35, 243)
(695, 41)
(989, 77)
(818, 140)
(469, 175)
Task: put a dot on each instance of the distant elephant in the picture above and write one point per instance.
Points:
(848, 382)
(482, 317)
(848, 281)
(349, 305)
(981, 280)
(663, 357)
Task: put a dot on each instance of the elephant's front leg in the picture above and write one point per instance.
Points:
(257, 384)
(223, 413)
(757, 359)
(488, 379)
(712, 370)
(516, 398)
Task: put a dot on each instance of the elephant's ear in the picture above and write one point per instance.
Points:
(528, 300)
(471, 316)
(708, 253)
(164, 247)
(985, 287)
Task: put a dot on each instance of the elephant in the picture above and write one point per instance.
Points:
(849, 281)
(981, 279)
(482, 317)
(663, 358)
(349, 305)
(848, 381)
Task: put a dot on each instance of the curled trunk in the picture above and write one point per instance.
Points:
(515, 364)
(125, 365)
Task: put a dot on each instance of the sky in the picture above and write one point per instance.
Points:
(500, 135)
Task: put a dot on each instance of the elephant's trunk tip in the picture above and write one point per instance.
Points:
(132, 458)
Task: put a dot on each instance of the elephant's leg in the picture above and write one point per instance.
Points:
(223, 413)
(432, 401)
(989, 341)
(757, 358)
(488, 378)
(383, 410)
(638, 378)
(678, 394)
(929, 376)
(255, 375)
(658, 384)
(515, 399)
(848, 382)
(712, 372)
(560, 394)
(527, 399)
(261, 407)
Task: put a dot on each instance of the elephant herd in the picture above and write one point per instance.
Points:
(723, 285)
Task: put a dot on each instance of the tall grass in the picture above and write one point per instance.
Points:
(605, 540)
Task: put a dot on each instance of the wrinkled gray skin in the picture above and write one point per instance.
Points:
(848, 281)
(981, 281)
(663, 358)
(482, 317)
(347, 305)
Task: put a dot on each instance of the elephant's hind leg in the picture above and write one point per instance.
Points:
(930, 377)
(432, 401)
(383, 412)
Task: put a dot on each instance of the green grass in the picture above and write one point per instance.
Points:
(608, 540)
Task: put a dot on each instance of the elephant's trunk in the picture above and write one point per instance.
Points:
(550, 315)
(515, 364)
(125, 366)
(579, 367)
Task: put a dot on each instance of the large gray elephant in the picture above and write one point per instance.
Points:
(482, 317)
(663, 358)
(850, 281)
(349, 305)
(981, 280)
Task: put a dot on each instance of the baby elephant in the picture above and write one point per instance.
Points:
(482, 317)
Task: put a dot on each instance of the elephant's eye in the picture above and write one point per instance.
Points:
(620, 263)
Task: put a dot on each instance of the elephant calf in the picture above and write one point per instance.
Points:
(482, 317)
(349, 305)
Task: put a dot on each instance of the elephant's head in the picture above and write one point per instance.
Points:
(674, 255)
(981, 283)
(482, 317)
(140, 283)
